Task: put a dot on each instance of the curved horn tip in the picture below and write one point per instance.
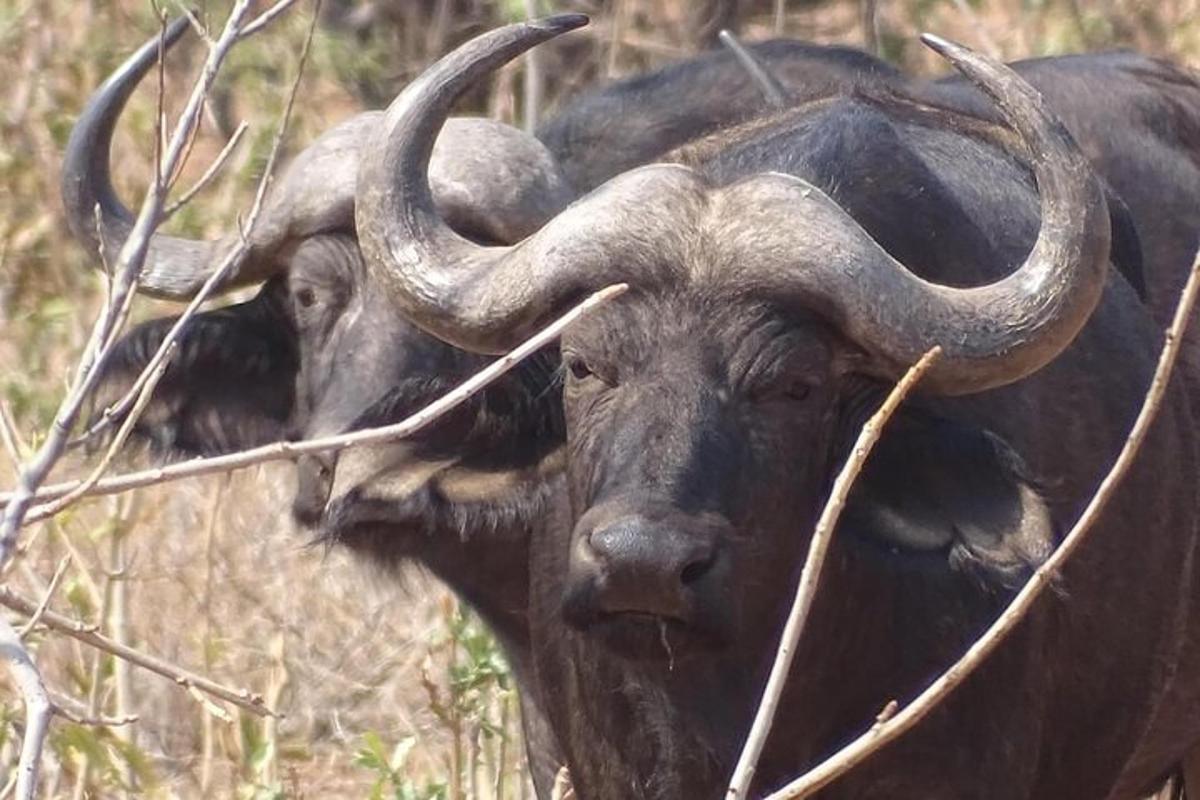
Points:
(726, 36)
(951, 51)
(560, 23)
(970, 63)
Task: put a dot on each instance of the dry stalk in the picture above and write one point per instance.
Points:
(88, 635)
(619, 13)
(884, 732)
(810, 576)
(208, 733)
(986, 42)
(870, 24)
(96, 675)
(780, 17)
(533, 76)
(118, 628)
(283, 451)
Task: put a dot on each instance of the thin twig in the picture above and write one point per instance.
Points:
(806, 591)
(870, 23)
(88, 635)
(209, 173)
(50, 509)
(37, 707)
(62, 707)
(28, 627)
(882, 733)
(265, 18)
(281, 451)
(614, 47)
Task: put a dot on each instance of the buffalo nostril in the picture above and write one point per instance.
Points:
(641, 554)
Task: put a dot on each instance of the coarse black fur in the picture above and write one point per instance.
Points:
(604, 132)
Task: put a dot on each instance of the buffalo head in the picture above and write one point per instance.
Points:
(321, 350)
(702, 409)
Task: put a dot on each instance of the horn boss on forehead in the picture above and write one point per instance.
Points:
(796, 243)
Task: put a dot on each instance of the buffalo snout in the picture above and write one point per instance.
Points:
(314, 482)
(642, 568)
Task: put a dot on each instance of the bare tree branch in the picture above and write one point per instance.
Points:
(806, 591)
(97, 350)
(88, 635)
(882, 733)
(38, 709)
(280, 451)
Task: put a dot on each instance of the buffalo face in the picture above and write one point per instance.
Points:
(683, 436)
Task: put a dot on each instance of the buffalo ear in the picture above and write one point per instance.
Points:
(933, 484)
(230, 384)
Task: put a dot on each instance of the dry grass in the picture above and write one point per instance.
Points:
(211, 574)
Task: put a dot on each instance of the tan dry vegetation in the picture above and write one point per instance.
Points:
(211, 574)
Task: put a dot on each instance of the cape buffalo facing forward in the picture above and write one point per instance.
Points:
(782, 273)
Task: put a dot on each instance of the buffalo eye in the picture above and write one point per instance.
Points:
(579, 368)
(582, 371)
(306, 297)
(787, 391)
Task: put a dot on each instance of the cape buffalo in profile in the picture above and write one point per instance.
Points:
(782, 273)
